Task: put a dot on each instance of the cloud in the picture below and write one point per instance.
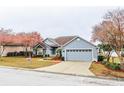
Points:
(52, 21)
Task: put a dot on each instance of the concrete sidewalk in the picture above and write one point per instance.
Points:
(74, 68)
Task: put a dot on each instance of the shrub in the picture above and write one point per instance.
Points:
(101, 58)
(47, 55)
(107, 64)
(36, 56)
(21, 53)
(12, 54)
(113, 66)
(57, 57)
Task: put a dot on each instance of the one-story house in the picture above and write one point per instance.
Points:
(72, 48)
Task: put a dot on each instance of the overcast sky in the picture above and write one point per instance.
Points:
(53, 21)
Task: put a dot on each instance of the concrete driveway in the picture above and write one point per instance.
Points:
(74, 68)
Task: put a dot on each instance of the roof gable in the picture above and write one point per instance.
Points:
(52, 42)
(64, 40)
(79, 38)
(40, 44)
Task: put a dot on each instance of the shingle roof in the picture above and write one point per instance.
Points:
(64, 39)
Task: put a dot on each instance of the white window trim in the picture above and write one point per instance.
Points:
(77, 49)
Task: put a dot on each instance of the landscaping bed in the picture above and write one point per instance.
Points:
(100, 69)
(23, 62)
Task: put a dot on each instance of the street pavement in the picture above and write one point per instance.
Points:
(17, 77)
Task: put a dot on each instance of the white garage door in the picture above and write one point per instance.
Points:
(79, 54)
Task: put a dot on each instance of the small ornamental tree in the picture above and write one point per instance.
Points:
(29, 39)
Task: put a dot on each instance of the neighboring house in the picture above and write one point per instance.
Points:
(11, 48)
(73, 48)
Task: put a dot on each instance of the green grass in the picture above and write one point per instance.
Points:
(22, 62)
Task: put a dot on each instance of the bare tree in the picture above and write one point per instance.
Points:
(111, 31)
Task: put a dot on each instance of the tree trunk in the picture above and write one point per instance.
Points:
(1, 53)
(26, 52)
(2, 50)
(29, 51)
(108, 56)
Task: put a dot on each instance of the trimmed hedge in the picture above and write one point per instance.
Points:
(47, 55)
(21, 53)
(36, 56)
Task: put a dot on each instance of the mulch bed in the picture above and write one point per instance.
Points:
(101, 70)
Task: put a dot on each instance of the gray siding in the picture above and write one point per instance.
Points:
(81, 44)
(48, 50)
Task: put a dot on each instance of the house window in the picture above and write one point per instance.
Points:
(67, 50)
(82, 50)
(90, 50)
(76, 50)
(79, 50)
(73, 50)
(86, 50)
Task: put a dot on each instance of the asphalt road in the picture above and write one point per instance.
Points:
(13, 77)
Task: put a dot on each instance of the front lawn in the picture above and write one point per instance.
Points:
(101, 70)
(22, 62)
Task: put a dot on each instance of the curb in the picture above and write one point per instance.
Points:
(98, 77)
